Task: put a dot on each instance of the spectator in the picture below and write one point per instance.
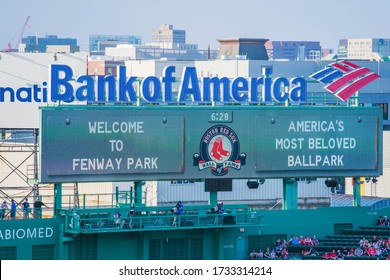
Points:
(339, 255)
(313, 251)
(253, 254)
(278, 254)
(386, 222)
(278, 244)
(26, 209)
(178, 210)
(358, 252)
(260, 254)
(117, 220)
(378, 252)
(351, 252)
(315, 241)
(267, 253)
(308, 241)
(75, 220)
(344, 251)
(272, 254)
(385, 250)
(131, 215)
(221, 208)
(333, 255)
(305, 251)
(371, 251)
(293, 240)
(38, 209)
(4, 207)
(362, 242)
(220, 211)
(326, 256)
(284, 245)
(301, 240)
(388, 257)
(284, 253)
(13, 209)
(380, 221)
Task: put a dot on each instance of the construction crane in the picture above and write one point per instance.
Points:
(10, 49)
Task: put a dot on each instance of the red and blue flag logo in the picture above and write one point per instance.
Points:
(344, 78)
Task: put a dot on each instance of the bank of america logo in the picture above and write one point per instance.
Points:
(344, 78)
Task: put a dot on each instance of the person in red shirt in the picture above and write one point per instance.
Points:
(371, 251)
(305, 251)
(333, 255)
(380, 221)
(308, 241)
(351, 252)
(326, 255)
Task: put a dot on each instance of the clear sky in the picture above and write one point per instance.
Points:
(205, 21)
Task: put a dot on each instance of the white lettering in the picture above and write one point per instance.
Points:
(312, 126)
(142, 163)
(315, 160)
(331, 143)
(29, 233)
(87, 164)
(115, 127)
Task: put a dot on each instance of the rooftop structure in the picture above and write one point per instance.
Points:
(44, 44)
(248, 48)
(98, 43)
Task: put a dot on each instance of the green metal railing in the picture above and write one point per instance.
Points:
(158, 218)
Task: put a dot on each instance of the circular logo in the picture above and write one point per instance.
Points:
(219, 150)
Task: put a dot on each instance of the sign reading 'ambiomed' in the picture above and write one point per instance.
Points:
(108, 143)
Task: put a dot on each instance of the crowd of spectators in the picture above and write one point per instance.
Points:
(373, 247)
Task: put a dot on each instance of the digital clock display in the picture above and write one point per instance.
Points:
(223, 116)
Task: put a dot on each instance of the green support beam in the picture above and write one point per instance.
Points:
(290, 194)
(213, 198)
(138, 193)
(356, 192)
(57, 199)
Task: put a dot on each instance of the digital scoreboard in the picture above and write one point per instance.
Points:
(120, 143)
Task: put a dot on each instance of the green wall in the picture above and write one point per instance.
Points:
(210, 243)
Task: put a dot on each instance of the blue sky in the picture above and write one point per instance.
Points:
(205, 21)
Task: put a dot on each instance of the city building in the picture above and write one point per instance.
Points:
(167, 37)
(167, 43)
(364, 48)
(49, 43)
(98, 43)
(294, 50)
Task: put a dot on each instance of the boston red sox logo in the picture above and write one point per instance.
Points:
(219, 150)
